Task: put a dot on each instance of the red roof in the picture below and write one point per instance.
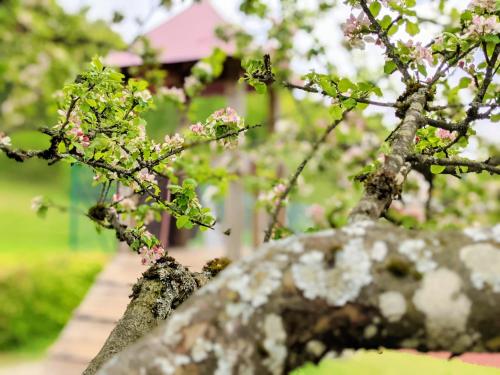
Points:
(188, 36)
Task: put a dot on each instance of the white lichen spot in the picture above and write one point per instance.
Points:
(226, 360)
(315, 347)
(163, 366)
(327, 233)
(392, 305)
(358, 228)
(201, 349)
(445, 307)
(483, 262)
(181, 360)
(274, 343)
(255, 288)
(293, 245)
(172, 330)
(336, 285)
(418, 253)
(478, 234)
(370, 331)
(379, 251)
(495, 233)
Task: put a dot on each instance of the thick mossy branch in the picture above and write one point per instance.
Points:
(383, 186)
(366, 285)
(162, 288)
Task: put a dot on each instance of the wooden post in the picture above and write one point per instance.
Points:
(234, 209)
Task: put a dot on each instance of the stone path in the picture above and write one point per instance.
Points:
(96, 316)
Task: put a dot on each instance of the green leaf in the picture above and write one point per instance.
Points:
(96, 61)
(437, 169)
(464, 82)
(345, 84)
(385, 22)
(336, 112)
(389, 67)
(412, 28)
(375, 8)
(183, 221)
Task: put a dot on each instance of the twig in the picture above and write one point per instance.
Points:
(293, 179)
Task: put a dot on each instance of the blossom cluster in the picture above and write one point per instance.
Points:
(145, 176)
(483, 25)
(128, 204)
(445, 134)
(77, 134)
(5, 140)
(419, 53)
(149, 256)
(175, 94)
(354, 28)
(488, 5)
(174, 141)
(272, 198)
(219, 123)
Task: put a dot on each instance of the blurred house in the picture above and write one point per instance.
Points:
(181, 41)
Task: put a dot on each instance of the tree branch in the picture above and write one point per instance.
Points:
(364, 286)
(472, 166)
(390, 49)
(293, 179)
(385, 184)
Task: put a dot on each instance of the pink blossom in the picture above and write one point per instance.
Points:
(487, 5)
(174, 141)
(280, 188)
(353, 29)
(420, 53)
(317, 213)
(174, 93)
(85, 141)
(116, 197)
(226, 115)
(128, 204)
(145, 176)
(197, 128)
(445, 134)
(482, 25)
(5, 140)
(150, 256)
(77, 133)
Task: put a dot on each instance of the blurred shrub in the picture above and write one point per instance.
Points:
(38, 297)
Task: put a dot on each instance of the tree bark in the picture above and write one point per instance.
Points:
(385, 184)
(366, 285)
(161, 289)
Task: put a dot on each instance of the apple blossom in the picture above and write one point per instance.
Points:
(5, 140)
(145, 176)
(149, 256)
(487, 5)
(174, 93)
(174, 141)
(144, 95)
(197, 128)
(482, 25)
(419, 53)
(445, 134)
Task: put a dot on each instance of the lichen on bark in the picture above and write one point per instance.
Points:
(225, 328)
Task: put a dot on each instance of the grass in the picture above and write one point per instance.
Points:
(42, 279)
(394, 363)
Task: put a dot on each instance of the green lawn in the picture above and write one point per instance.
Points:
(394, 363)
(42, 279)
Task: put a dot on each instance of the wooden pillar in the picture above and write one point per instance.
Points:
(234, 208)
(260, 218)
